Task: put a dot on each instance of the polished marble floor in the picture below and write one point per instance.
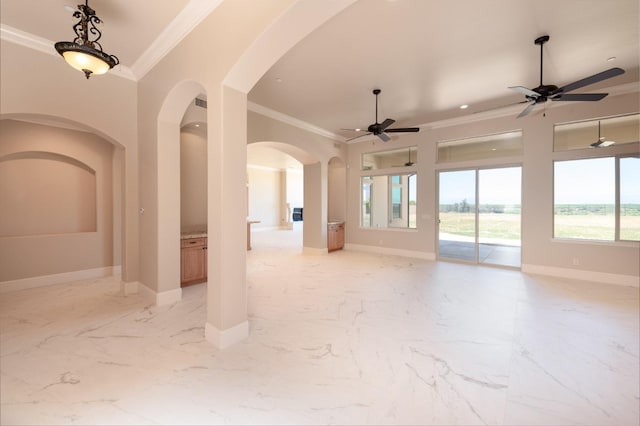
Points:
(345, 338)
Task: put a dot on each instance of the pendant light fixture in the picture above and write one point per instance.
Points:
(601, 142)
(84, 53)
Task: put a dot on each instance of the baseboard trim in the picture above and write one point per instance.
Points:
(391, 251)
(65, 277)
(160, 299)
(577, 274)
(314, 251)
(222, 339)
(127, 288)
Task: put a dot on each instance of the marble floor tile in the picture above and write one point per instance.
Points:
(344, 338)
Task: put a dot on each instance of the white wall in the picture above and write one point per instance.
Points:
(337, 191)
(193, 178)
(295, 189)
(264, 196)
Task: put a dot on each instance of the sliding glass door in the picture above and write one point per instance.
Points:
(457, 215)
(486, 231)
(499, 192)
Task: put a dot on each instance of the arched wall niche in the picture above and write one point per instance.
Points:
(62, 186)
(62, 195)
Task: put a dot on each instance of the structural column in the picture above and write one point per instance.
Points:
(315, 208)
(227, 218)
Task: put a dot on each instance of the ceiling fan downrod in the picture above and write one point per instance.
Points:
(541, 41)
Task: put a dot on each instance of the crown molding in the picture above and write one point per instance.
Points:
(292, 121)
(188, 18)
(23, 38)
(44, 45)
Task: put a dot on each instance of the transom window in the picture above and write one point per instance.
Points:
(600, 133)
(498, 145)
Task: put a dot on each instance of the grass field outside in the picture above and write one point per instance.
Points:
(507, 226)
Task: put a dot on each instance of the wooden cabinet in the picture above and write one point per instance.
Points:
(193, 261)
(335, 236)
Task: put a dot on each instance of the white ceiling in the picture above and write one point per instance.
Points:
(428, 56)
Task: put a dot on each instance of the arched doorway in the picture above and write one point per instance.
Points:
(226, 296)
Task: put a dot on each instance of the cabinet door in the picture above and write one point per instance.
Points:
(193, 265)
(340, 236)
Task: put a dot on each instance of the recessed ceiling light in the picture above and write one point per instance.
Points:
(197, 125)
(465, 106)
(278, 80)
(611, 59)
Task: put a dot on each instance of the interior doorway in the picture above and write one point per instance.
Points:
(479, 215)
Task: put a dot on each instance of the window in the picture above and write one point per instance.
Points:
(389, 201)
(388, 184)
(403, 157)
(630, 198)
(481, 147)
(587, 134)
(597, 198)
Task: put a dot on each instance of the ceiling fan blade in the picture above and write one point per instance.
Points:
(612, 72)
(386, 123)
(384, 137)
(527, 110)
(354, 130)
(359, 136)
(592, 97)
(525, 91)
(403, 130)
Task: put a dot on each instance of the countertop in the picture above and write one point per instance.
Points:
(193, 232)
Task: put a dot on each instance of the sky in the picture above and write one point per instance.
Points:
(589, 181)
(496, 186)
(593, 181)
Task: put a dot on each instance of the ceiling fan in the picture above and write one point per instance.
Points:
(543, 92)
(381, 129)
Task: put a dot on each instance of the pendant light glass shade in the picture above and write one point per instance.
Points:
(86, 54)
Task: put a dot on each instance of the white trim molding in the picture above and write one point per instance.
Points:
(160, 299)
(313, 251)
(577, 274)
(223, 339)
(65, 277)
(391, 251)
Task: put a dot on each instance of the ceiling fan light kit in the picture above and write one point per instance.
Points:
(83, 53)
(381, 129)
(543, 92)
